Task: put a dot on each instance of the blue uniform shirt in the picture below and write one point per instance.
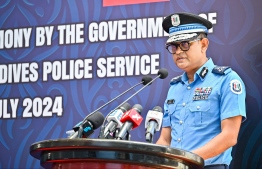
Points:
(194, 111)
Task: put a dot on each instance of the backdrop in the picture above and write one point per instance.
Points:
(61, 60)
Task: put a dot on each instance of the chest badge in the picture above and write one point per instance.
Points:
(202, 93)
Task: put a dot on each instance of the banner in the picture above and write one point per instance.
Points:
(61, 60)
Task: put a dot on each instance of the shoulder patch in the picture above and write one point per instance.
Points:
(222, 70)
(235, 86)
(175, 80)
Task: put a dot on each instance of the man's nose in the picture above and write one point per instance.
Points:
(178, 50)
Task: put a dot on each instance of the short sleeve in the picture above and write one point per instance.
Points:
(233, 95)
(166, 117)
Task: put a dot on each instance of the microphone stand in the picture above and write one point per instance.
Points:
(112, 100)
(78, 133)
(102, 128)
(162, 73)
(132, 96)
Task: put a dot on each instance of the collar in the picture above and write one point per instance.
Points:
(202, 72)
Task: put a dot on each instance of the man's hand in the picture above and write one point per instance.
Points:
(165, 137)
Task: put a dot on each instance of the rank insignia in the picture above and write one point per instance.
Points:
(176, 79)
(235, 86)
(203, 72)
(202, 93)
(222, 70)
(172, 101)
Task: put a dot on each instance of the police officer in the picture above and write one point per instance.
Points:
(205, 105)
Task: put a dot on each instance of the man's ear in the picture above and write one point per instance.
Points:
(204, 43)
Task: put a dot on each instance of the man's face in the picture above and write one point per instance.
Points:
(194, 58)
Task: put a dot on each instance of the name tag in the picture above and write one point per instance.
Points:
(172, 101)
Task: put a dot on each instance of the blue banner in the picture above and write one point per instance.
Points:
(61, 60)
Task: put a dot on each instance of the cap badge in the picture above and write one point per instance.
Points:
(175, 20)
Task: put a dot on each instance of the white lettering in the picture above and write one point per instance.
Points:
(127, 66)
(44, 35)
(71, 34)
(93, 32)
(68, 70)
(133, 28)
(121, 30)
(8, 108)
(15, 38)
(19, 73)
(112, 27)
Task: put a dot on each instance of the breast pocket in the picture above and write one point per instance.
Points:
(199, 113)
(171, 108)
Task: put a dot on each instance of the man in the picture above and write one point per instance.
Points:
(206, 104)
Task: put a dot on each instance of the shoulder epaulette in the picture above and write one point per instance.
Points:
(176, 79)
(222, 70)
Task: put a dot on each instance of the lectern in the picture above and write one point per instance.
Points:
(111, 154)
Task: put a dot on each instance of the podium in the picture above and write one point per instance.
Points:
(111, 154)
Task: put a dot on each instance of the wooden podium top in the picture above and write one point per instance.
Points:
(107, 153)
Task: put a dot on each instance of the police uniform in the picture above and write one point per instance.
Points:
(194, 111)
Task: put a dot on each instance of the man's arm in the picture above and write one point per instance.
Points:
(165, 137)
(226, 139)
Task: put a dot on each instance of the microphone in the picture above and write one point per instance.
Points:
(145, 81)
(131, 119)
(88, 125)
(114, 119)
(153, 122)
(162, 74)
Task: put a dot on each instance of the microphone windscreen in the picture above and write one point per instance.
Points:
(125, 107)
(96, 119)
(146, 79)
(158, 108)
(138, 108)
(163, 73)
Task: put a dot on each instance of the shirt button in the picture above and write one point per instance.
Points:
(178, 140)
(198, 107)
(184, 104)
(180, 122)
(188, 87)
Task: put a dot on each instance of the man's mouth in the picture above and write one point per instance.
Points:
(180, 58)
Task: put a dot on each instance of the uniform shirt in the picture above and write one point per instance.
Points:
(194, 111)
